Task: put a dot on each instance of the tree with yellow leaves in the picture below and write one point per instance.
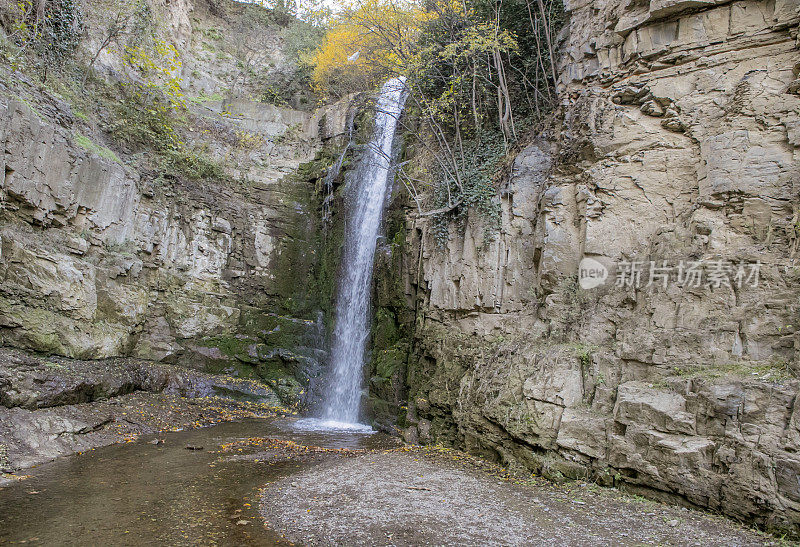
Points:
(368, 42)
(479, 74)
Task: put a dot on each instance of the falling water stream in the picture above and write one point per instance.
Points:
(368, 200)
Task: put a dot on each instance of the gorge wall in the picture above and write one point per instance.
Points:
(676, 140)
(103, 256)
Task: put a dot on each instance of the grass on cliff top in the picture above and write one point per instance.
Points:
(87, 143)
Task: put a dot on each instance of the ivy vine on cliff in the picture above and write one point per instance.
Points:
(41, 33)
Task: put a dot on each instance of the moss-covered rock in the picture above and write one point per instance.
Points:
(392, 326)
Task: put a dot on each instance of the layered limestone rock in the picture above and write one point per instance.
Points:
(54, 406)
(676, 140)
(90, 248)
(102, 256)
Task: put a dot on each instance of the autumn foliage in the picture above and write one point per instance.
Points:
(367, 43)
(480, 73)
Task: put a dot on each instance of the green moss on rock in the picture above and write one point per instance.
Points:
(392, 327)
(233, 346)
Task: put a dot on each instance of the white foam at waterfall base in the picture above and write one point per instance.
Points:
(319, 424)
(367, 200)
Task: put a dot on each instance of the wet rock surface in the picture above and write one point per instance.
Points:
(51, 407)
(32, 382)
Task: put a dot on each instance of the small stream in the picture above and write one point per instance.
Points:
(140, 493)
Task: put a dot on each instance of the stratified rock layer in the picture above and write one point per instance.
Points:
(51, 407)
(676, 140)
(104, 255)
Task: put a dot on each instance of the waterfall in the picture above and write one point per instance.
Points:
(368, 198)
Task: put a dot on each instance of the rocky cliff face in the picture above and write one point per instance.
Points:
(676, 142)
(103, 257)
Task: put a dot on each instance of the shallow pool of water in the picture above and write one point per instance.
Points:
(140, 493)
